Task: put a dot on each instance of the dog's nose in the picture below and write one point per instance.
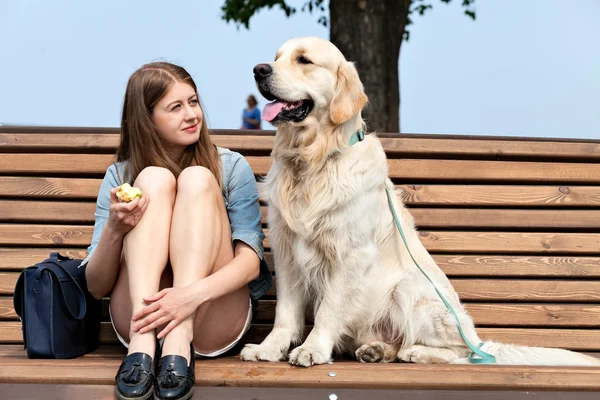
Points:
(261, 71)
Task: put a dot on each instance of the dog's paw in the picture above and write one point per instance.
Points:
(307, 355)
(262, 352)
(425, 355)
(370, 353)
(411, 354)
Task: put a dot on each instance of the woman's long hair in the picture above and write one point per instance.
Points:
(140, 143)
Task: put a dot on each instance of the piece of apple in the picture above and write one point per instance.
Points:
(127, 193)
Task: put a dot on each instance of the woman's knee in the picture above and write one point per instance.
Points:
(156, 181)
(197, 182)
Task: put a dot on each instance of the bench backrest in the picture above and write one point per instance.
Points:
(514, 222)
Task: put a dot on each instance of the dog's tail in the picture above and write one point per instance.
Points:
(507, 354)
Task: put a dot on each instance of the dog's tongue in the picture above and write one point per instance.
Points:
(272, 109)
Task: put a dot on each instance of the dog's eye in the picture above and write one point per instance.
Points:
(304, 60)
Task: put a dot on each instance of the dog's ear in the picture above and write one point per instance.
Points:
(349, 97)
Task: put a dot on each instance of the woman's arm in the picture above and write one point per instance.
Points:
(113, 220)
(244, 268)
(103, 267)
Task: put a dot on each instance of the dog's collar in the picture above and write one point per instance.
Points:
(357, 136)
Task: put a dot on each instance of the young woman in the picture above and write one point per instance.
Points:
(183, 262)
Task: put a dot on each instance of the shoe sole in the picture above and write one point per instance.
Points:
(186, 397)
(144, 397)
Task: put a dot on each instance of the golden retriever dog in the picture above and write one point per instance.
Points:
(333, 234)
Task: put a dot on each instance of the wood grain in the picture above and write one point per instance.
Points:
(425, 218)
(458, 265)
(434, 241)
(400, 169)
(447, 195)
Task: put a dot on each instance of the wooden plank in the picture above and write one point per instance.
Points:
(501, 195)
(80, 164)
(49, 188)
(496, 149)
(573, 339)
(527, 290)
(434, 241)
(40, 235)
(493, 171)
(44, 211)
(497, 290)
(82, 142)
(371, 376)
(447, 195)
(484, 314)
(233, 372)
(530, 290)
(394, 146)
(426, 218)
(411, 169)
(447, 218)
(545, 315)
(520, 266)
(510, 242)
(15, 259)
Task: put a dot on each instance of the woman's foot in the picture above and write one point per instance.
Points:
(176, 377)
(135, 379)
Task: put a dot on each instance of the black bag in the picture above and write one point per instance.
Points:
(60, 318)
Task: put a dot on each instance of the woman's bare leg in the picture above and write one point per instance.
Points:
(200, 245)
(145, 255)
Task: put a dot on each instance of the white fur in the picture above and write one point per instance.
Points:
(336, 246)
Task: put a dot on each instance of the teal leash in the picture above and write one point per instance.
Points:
(477, 355)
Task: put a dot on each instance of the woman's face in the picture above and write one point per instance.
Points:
(177, 116)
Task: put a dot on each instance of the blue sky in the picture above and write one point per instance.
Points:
(525, 68)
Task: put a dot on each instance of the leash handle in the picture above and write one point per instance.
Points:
(477, 355)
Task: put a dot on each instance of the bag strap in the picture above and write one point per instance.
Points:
(79, 292)
(56, 256)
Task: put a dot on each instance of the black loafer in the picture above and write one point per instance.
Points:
(176, 379)
(135, 378)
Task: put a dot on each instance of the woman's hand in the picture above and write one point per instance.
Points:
(123, 217)
(170, 306)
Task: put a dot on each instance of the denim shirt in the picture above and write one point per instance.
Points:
(240, 195)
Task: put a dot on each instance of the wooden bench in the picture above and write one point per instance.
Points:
(514, 222)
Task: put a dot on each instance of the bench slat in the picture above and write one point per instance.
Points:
(231, 371)
(451, 195)
(573, 339)
(409, 169)
(484, 314)
(470, 289)
(446, 218)
(500, 195)
(394, 146)
(523, 266)
(15, 259)
(434, 241)
(49, 188)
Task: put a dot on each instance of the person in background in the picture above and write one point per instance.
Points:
(251, 114)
